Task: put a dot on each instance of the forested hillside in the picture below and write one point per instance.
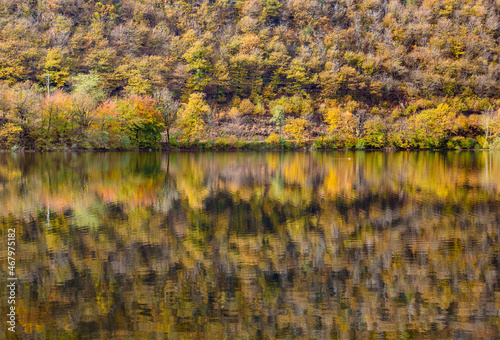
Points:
(386, 73)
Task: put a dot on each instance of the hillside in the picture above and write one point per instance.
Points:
(396, 65)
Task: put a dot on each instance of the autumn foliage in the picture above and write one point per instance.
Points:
(296, 128)
(398, 61)
(191, 118)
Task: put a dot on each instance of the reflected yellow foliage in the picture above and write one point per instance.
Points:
(316, 244)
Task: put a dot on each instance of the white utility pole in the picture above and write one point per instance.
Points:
(48, 84)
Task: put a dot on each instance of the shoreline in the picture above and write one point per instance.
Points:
(209, 148)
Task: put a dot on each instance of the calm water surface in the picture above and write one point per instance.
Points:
(253, 245)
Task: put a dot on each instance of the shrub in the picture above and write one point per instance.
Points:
(469, 143)
(296, 105)
(495, 145)
(342, 126)
(455, 143)
(375, 136)
(236, 101)
(481, 140)
(208, 145)
(221, 143)
(296, 127)
(10, 134)
(173, 141)
(323, 143)
(360, 144)
(430, 127)
(233, 113)
(233, 141)
(259, 109)
(246, 107)
(273, 139)
(239, 144)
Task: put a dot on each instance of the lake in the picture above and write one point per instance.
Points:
(270, 245)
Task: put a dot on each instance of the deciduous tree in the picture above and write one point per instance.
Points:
(191, 120)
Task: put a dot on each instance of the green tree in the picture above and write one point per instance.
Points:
(278, 117)
(198, 59)
(90, 84)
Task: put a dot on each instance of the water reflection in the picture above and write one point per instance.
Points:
(254, 245)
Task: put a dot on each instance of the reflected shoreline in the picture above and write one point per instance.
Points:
(275, 244)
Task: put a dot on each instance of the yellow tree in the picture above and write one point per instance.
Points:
(191, 117)
(296, 127)
(342, 125)
(198, 59)
(56, 64)
(22, 106)
(429, 127)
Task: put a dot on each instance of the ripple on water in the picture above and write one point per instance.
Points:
(272, 245)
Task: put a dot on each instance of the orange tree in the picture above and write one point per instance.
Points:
(56, 120)
(144, 123)
(107, 128)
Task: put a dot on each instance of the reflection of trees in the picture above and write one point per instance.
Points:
(301, 244)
